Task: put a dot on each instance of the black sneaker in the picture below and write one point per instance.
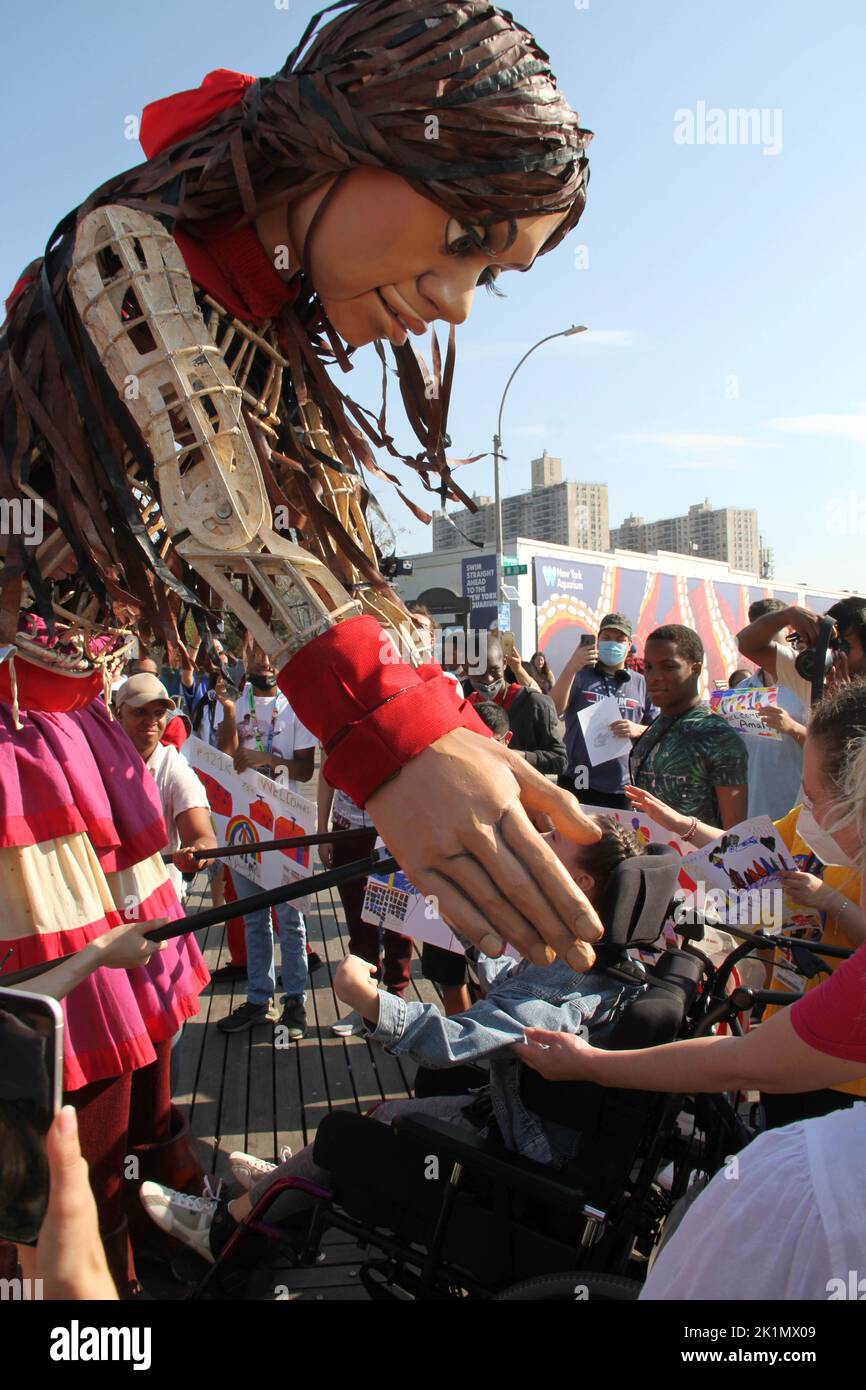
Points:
(314, 961)
(294, 1018)
(229, 973)
(247, 1016)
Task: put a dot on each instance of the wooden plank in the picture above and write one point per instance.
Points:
(289, 1110)
(261, 1117)
(335, 1050)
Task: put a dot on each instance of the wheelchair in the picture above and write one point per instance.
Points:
(442, 1213)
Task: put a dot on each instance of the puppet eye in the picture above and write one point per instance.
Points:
(462, 239)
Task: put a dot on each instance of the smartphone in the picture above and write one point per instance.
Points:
(507, 640)
(587, 639)
(31, 1085)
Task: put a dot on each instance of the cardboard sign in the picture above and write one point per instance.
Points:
(739, 709)
(246, 808)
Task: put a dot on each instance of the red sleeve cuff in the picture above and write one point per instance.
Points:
(371, 712)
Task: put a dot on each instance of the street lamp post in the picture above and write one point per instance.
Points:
(497, 450)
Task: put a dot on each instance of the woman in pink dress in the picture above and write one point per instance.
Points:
(81, 831)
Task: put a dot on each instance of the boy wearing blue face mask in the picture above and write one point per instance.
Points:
(595, 672)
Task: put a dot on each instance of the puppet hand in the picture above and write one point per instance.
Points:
(457, 819)
(556, 1056)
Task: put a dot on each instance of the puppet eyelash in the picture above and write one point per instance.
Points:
(488, 278)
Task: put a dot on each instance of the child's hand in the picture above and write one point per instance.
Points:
(354, 983)
(657, 810)
(807, 889)
(556, 1056)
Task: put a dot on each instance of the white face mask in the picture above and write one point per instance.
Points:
(820, 841)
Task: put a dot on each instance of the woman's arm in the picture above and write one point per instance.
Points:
(122, 948)
(811, 891)
(195, 829)
(770, 1058)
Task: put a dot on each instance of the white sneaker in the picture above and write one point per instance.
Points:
(186, 1218)
(349, 1026)
(247, 1169)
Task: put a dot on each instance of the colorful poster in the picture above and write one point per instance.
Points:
(247, 808)
(749, 855)
(739, 708)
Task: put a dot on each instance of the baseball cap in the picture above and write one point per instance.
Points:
(140, 690)
(618, 620)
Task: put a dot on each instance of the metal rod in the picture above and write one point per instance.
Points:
(214, 916)
(256, 846)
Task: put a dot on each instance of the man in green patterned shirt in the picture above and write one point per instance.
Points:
(688, 757)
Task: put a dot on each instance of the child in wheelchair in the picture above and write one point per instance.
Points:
(517, 996)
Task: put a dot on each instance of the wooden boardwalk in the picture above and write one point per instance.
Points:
(242, 1092)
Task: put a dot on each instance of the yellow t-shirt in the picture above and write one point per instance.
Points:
(847, 881)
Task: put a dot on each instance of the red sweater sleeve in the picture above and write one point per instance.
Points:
(371, 712)
(832, 1018)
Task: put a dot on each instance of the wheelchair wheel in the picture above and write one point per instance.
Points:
(577, 1287)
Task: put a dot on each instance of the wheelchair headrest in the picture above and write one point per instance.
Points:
(637, 897)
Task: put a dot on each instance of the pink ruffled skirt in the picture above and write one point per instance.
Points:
(81, 831)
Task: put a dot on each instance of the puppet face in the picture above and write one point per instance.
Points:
(386, 261)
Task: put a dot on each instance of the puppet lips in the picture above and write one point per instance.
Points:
(412, 323)
(395, 321)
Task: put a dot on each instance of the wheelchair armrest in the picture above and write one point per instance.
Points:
(522, 1174)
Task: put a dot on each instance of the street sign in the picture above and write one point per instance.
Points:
(511, 570)
(504, 617)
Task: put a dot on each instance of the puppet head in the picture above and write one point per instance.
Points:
(413, 148)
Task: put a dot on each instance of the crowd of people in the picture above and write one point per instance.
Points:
(275, 226)
(686, 769)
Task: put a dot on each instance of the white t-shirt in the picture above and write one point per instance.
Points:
(179, 790)
(789, 677)
(775, 765)
(269, 724)
(787, 1224)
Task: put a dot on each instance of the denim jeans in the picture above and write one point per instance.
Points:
(260, 947)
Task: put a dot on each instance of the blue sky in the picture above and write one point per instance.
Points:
(724, 286)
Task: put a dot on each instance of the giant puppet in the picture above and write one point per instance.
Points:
(165, 396)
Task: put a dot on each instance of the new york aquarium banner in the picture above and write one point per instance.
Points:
(572, 597)
(247, 808)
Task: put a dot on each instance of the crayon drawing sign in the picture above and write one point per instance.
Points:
(739, 708)
(248, 808)
(749, 855)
